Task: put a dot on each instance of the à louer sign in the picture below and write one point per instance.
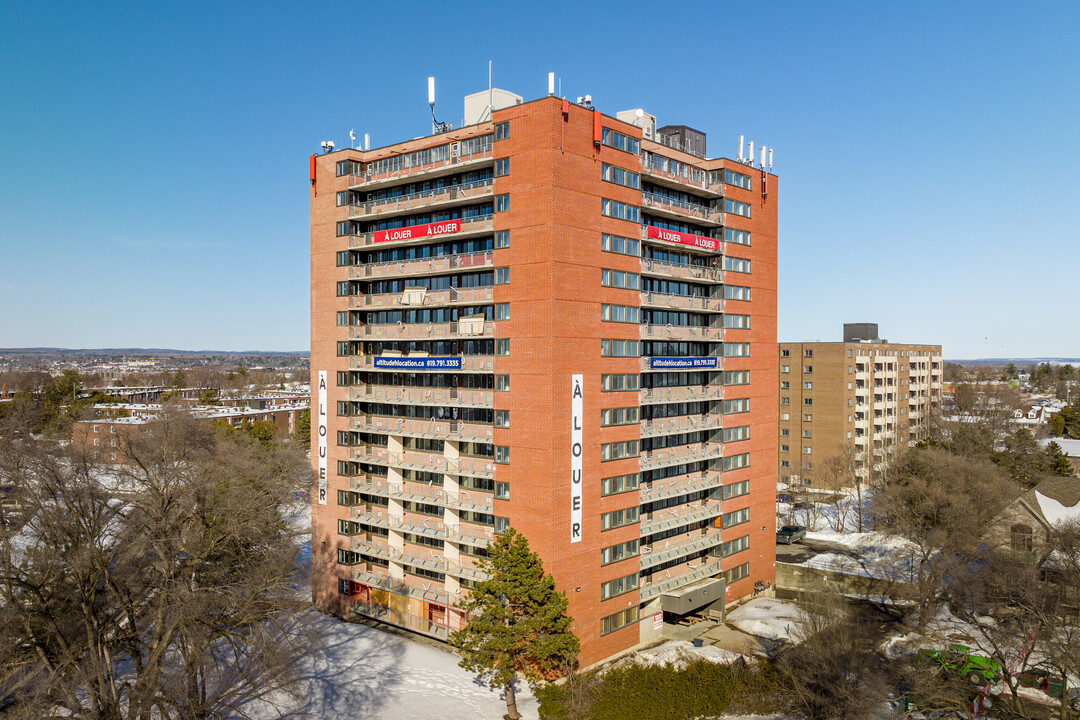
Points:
(577, 401)
(322, 437)
(417, 231)
(681, 363)
(682, 238)
(418, 363)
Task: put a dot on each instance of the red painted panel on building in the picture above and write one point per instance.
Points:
(417, 231)
(683, 238)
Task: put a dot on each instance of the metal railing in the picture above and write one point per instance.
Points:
(463, 500)
(681, 424)
(650, 200)
(425, 198)
(653, 589)
(663, 552)
(682, 515)
(426, 462)
(413, 331)
(430, 298)
(656, 396)
(680, 485)
(454, 397)
(681, 332)
(682, 302)
(439, 264)
(367, 178)
(693, 272)
(479, 224)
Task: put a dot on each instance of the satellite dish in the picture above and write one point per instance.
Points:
(639, 113)
(352, 136)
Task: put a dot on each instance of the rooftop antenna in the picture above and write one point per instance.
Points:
(751, 158)
(761, 163)
(436, 126)
(551, 83)
(367, 141)
(770, 159)
(740, 155)
(352, 138)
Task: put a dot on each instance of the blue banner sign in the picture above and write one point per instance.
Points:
(418, 363)
(681, 363)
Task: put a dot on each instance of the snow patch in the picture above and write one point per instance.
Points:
(767, 618)
(1056, 513)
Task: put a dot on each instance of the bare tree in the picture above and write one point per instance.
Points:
(162, 588)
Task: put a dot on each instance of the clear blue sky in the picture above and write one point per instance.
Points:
(153, 156)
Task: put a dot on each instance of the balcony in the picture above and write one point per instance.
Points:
(681, 424)
(646, 365)
(680, 455)
(453, 397)
(469, 363)
(427, 298)
(464, 534)
(463, 500)
(703, 571)
(689, 393)
(449, 166)
(679, 516)
(424, 331)
(400, 587)
(659, 175)
(665, 206)
(437, 562)
(679, 485)
(700, 273)
(676, 548)
(681, 332)
(391, 616)
(470, 227)
(427, 266)
(427, 462)
(681, 302)
(437, 197)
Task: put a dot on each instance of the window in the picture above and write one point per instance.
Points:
(736, 406)
(785, 416)
(785, 368)
(502, 418)
(1021, 538)
(808, 401)
(618, 450)
(502, 238)
(97, 441)
(618, 416)
(736, 292)
(502, 202)
(738, 237)
(620, 313)
(348, 167)
(343, 318)
(737, 322)
(502, 346)
(618, 518)
(619, 279)
(808, 353)
(808, 386)
(502, 491)
(785, 448)
(619, 383)
(735, 518)
(619, 176)
(502, 454)
(621, 245)
(785, 464)
(502, 167)
(617, 210)
(736, 377)
(620, 619)
(342, 288)
(785, 385)
(735, 264)
(736, 490)
(620, 348)
(342, 197)
(502, 311)
(737, 573)
(736, 349)
(501, 524)
(736, 208)
(502, 276)
(342, 349)
(736, 462)
(808, 369)
(733, 546)
(619, 484)
(808, 434)
(502, 383)
(619, 141)
(502, 130)
(735, 434)
(807, 450)
(785, 353)
(807, 417)
(622, 551)
(343, 228)
(343, 258)
(785, 432)
(737, 179)
(619, 586)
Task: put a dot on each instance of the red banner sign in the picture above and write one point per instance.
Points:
(683, 238)
(417, 231)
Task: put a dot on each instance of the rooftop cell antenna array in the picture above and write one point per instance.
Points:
(436, 126)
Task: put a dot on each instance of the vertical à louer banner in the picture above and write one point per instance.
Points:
(576, 402)
(322, 437)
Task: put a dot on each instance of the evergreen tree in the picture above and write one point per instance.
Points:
(517, 621)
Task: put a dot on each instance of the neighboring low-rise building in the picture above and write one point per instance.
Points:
(1028, 523)
(846, 408)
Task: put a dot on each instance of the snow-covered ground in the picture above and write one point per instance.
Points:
(766, 617)
(358, 672)
(679, 653)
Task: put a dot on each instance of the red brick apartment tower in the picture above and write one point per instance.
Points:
(489, 300)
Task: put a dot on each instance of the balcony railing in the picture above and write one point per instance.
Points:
(698, 180)
(463, 500)
(693, 272)
(469, 363)
(667, 584)
(679, 516)
(681, 424)
(469, 226)
(452, 296)
(425, 462)
(369, 178)
(680, 455)
(682, 302)
(679, 547)
(400, 587)
(436, 563)
(681, 332)
(689, 393)
(416, 623)
(454, 397)
(465, 534)
(426, 198)
(680, 485)
(414, 427)
(426, 266)
(423, 331)
(656, 201)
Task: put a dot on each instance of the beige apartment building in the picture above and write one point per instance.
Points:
(847, 408)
